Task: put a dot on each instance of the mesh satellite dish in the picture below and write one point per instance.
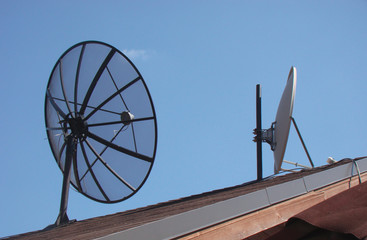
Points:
(100, 123)
(277, 135)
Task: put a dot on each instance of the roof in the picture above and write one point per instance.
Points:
(123, 221)
(344, 215)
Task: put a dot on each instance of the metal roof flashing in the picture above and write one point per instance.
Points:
(194, 220)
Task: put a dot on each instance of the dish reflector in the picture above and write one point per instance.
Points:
(283, 119)
(97, 100)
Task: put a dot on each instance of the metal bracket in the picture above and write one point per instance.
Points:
(266, 135)
(303, 143)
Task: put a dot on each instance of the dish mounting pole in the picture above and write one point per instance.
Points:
(258, 133)
(70, 149)
(261, 135)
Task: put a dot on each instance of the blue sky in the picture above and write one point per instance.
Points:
(201, 61)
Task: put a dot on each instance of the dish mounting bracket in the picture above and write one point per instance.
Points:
(266, 135)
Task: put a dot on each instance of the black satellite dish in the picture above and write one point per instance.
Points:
(100, 123)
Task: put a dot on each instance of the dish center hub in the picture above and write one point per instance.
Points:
(77, 126)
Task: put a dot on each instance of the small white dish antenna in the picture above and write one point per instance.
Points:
(277, 135)
(330, 160)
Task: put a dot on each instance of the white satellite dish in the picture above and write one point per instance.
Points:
(277, 134)
(283, 119)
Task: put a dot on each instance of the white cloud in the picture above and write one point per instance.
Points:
(135, 54)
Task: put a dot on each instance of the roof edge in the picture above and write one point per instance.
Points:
(228, 209)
